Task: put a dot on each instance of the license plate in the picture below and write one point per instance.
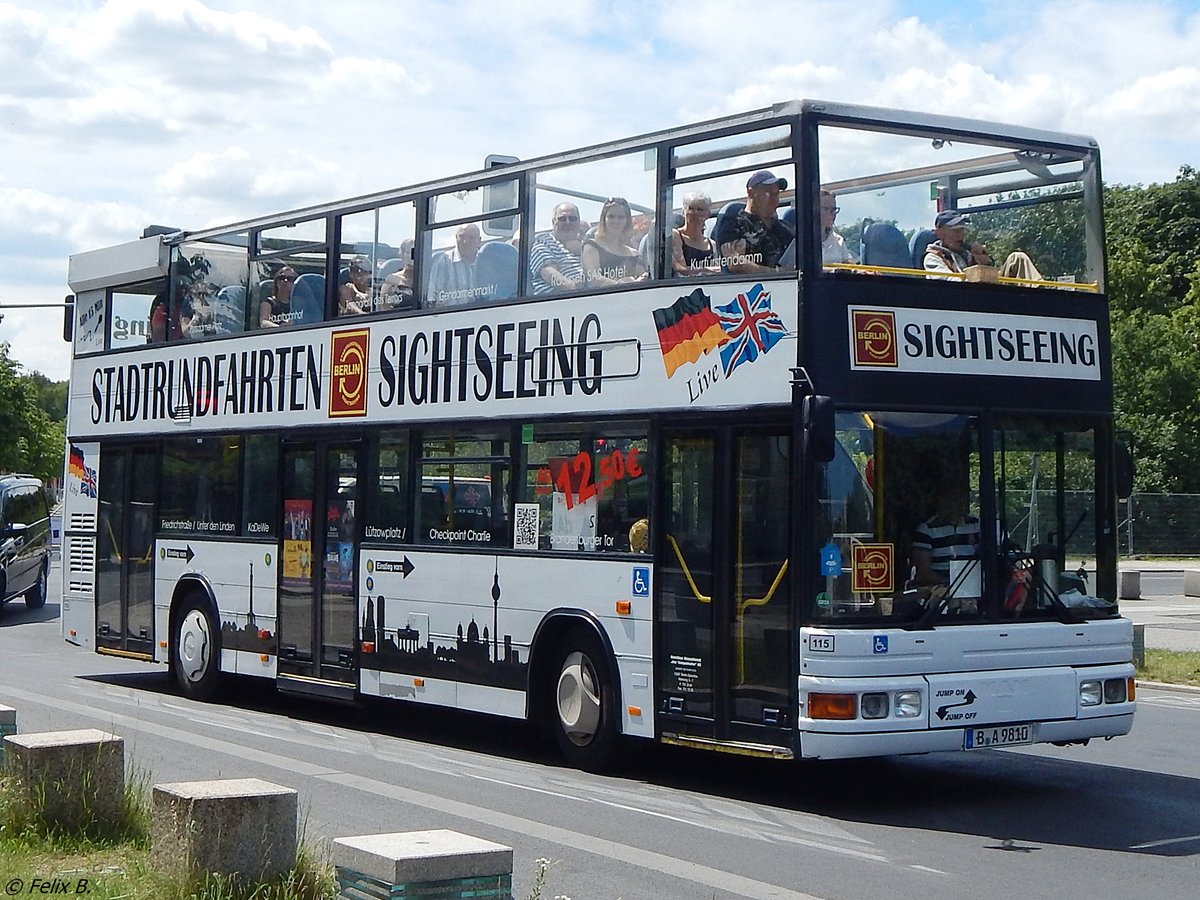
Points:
(998, 736)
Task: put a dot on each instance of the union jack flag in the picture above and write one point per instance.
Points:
(751, 326)
(88, 484)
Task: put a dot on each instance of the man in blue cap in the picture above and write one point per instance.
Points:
(950, 253)
(759, 238)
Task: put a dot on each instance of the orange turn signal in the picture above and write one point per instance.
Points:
(1131, 689)
(624, 607)
(418, 682)
(832, 706)
(635, 710)
(264, 657)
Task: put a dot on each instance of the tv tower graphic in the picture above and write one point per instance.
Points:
(496, 613)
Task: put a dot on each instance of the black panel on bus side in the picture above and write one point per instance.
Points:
(825, 345)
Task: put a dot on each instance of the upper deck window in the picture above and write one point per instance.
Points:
(376, 260)
(210, 290)
(289, 274)
(471, 252)
(732, 205)
(1011, 213)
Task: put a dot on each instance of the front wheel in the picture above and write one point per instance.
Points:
(195, 654)
(35, 597)
(584, 708)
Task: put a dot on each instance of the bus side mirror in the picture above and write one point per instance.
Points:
(819, 427)
(69, 318)
(1123, 469)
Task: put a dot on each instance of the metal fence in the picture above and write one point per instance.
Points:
(1160, 525)
(1150, 524)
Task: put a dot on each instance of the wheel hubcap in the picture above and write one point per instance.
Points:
(194, 644)
(578, 699)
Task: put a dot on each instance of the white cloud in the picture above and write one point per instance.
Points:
(117, 114)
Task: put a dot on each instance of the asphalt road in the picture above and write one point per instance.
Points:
(1114, 819)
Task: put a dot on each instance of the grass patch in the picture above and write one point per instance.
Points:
(1171, 666)
(114, 860)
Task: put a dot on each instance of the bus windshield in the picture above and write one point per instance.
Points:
(950, 517)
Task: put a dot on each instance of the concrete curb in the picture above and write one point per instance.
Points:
(1167, 686)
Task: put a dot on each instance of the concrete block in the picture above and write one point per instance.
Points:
(1129, 584)
(1191, 582)
(241, 828)
(8, 725)
(79, 776)
(418, 864)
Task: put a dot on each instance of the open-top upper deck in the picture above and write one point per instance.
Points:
(655, 226)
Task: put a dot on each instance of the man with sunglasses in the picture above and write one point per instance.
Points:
(833, 245)
(554, 256)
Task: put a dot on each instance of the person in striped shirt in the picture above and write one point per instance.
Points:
(950, 533)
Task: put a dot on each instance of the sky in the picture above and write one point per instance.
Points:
(192, 113)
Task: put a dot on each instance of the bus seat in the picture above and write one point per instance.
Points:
(788, 217)
(920, 240)
(884, 245)
(266, 288)
(722, 230)
(389, 267)
(497, 265)
(308, 297)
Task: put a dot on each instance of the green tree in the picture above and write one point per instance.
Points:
(30, 441)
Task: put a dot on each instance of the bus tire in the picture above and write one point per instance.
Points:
(583, 707)
(195, 648)
(35, 597)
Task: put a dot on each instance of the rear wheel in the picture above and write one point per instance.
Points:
(35, 597)
(584, 702)
(195, 653)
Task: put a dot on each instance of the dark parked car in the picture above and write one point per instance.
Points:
(24, 540)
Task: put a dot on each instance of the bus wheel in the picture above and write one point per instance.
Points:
(584, 715)
(195, 657)
(35, 597)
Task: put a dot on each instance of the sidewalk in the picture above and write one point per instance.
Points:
(1171, 619)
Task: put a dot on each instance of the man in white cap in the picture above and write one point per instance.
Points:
(950, 253)
(759, 238)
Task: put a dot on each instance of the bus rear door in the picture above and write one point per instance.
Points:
(318, 575)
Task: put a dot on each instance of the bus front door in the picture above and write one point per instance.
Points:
(125, 553)
(317, 577)
(724, 624)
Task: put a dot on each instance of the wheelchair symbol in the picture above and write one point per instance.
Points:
(881, 643)
(641, 581)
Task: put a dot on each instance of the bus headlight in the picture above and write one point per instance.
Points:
(1091, 693)
(874, 706)
(908, 704)
(1114, 690)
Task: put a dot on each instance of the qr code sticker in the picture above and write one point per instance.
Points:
(526, 525)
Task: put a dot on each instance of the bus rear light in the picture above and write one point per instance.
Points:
(368, 646)
(263, 634)
(832, 706)
(624, 607)
(908, 704)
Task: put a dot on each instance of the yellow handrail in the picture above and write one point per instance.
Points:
(687, 573)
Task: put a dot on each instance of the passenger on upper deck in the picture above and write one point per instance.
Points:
(554, 256)
(452, 274)
(276, 309)
(354, 294)
(833, 245)
(692, 252)
(760, 239)
(608, 256)
(398, 290)
(950, 253)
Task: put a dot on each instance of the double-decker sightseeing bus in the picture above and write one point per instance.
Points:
(784, 434)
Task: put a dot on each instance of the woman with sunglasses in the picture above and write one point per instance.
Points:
(691, 252)
(276, 309)
(609, 257)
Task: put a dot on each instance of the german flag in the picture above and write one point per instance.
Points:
(75, 465)
(687, 329)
